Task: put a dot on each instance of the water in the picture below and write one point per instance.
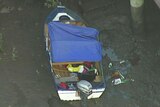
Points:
(22, 86)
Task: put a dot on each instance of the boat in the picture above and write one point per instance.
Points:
(75, 55)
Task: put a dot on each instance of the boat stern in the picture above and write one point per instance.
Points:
(68, 95)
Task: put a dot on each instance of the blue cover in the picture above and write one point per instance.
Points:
(70, 43)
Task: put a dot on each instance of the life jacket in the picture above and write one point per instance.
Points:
(70, 68)
(81, 69)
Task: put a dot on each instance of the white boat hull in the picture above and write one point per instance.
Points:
(73, 95)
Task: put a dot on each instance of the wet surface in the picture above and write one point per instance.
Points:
(24, 77)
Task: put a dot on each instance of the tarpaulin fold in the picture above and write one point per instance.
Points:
(70, 43)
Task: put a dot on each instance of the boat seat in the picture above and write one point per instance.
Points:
(61, 70)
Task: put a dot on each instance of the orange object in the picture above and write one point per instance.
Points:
(116, 75)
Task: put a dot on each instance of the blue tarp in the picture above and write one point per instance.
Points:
(73, 43)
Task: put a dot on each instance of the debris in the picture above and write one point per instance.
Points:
(121, 79)
(121, 62)
(117, 81)
(121, 66)
(118, 78)
(110, 65)
(117, 67)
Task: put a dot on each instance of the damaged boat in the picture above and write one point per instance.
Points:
(75, 55)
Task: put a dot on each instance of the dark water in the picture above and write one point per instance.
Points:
(26, 81)
(113, 19)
